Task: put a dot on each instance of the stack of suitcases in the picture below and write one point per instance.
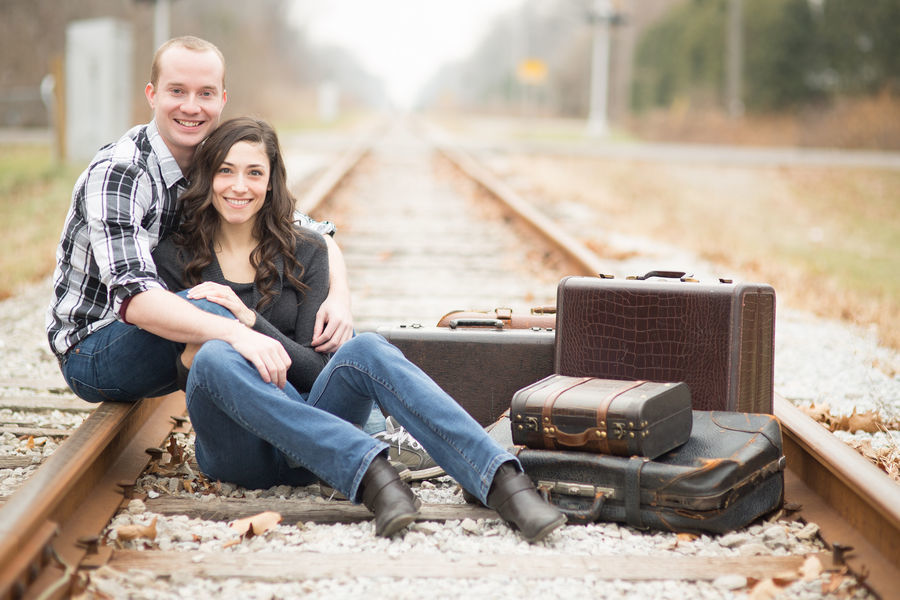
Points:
(658, 413)
(646, 400)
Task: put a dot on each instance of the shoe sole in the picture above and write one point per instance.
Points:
(426, 473)
(546, 530)
(400, 522)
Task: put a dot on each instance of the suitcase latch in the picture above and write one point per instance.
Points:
(526, 423)
(618, 430)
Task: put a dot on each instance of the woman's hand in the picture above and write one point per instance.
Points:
(224, 296)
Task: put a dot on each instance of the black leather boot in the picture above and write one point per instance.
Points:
(390, 498)
(513, 496)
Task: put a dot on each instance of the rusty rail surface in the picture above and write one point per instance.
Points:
(44, 525)
(855, 504)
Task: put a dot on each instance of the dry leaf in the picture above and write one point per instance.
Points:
(257, 524)
(132, 532)
(867, 421)
(30, 443)
(765, 589)
(831, 586)
(175, 451)
(817, 412)
(811, 568)
(687, 537)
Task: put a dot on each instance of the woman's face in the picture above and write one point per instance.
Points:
(240, 183)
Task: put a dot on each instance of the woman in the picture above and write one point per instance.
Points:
(239, 253)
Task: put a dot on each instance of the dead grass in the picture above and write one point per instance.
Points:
(868, 122)
(34, 197)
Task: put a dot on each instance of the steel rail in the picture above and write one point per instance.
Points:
(855, 504)
(586, 261)
(73, 495)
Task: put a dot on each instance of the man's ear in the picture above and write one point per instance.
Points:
(224, 97)
(150, 93)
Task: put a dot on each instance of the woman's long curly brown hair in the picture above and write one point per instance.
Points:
(274, 227)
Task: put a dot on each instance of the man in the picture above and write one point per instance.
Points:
(113, 326)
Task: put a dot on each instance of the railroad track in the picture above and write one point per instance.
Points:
(52, 525)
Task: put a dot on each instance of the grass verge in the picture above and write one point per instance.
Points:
(35, 194)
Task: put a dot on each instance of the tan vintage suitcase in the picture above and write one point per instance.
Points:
(717, 337)
(607, 416)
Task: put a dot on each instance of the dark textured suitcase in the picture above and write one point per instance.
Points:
(716, 337)
(480, 368)
(543, 317)
(729, 473)
(608, 416)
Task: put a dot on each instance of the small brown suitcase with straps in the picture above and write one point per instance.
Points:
(607, 416)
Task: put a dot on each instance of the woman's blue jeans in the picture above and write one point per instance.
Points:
(258, 435)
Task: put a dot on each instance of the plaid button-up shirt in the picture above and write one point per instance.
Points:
(122, 205)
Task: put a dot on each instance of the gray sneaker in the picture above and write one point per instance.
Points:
(406, 450)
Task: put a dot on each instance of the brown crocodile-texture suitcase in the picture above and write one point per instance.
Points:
(608, 416)
(480, 368)
(716, 337)
(543, 317)
(729, 473)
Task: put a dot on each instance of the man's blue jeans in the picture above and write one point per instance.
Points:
(254, 434)
(124, 363)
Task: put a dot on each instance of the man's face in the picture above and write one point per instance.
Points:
(187, 100)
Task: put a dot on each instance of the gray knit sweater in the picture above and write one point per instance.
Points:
(290, 318)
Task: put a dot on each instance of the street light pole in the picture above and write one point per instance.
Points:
(161, 21)
(597, 120)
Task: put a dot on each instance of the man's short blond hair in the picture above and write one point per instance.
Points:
(191, 43)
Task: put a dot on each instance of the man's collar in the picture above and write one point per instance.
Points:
(171, 172)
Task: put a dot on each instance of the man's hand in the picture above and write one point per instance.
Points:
(164, 314)
(334, 324)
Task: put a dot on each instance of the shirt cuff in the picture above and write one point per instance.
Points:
(122, 295)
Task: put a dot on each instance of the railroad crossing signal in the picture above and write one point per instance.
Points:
(532, 71)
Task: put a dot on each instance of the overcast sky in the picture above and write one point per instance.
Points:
(401, 41)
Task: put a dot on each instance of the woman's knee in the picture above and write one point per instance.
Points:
(208, 306)
(214, 355)
(366, 343)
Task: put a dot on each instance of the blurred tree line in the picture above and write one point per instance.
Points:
(796, 52)
(272, 71)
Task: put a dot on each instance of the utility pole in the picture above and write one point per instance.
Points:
(597, 119)
(162, 10)
(735, 59)
(161, 20)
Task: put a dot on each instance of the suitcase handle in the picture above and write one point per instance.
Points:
(496, 323)
(666, 274)
(588, 515)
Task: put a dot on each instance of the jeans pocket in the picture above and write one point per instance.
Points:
(89, 393)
